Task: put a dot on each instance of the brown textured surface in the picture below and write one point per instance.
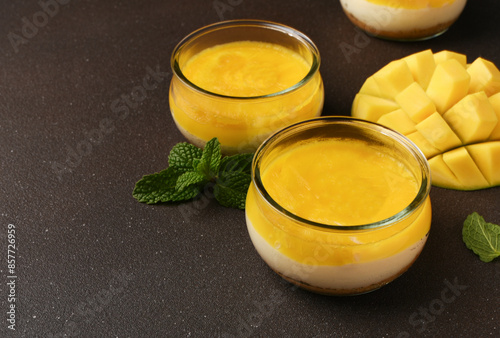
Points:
(92, 262)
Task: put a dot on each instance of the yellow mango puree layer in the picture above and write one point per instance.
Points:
(246, 68)
(337, 182)
(241, 70)
(412, 4)
(340, 183)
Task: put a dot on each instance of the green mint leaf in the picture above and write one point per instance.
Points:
(191, 168)
(231, 189)
(196, 163)
(210, 159)
(156, 187)
(189, 178)
(237, 163)
(183, 156)
(160, 187)
(186, 194)
(481, 237)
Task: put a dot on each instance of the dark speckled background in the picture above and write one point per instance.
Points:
(92, 262)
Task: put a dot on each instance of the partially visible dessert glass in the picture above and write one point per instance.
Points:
(403, 20)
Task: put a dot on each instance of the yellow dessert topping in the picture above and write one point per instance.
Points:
(246, 69)
(412, 4)
(340, 182)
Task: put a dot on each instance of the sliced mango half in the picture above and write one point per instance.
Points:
(448, 107)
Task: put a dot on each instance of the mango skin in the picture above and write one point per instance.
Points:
(448, 107)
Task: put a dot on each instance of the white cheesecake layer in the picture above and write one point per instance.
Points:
(343, 277)
(393, 19)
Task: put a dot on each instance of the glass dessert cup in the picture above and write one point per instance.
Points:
(328, 257)
(406, 20)
(242, 122)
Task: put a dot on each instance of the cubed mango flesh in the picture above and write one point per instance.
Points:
(445, 55)
(421, 66)
(487, 157)
(442, 174)
(464, 168)
(449, 83)
(495, 103)
(399, 121)
(449, 109)
(438, 132)
(371, 108)
(393, 78)
(370, 87)
(415, 102)
(472, 118)
(425, 147)
(484, 76)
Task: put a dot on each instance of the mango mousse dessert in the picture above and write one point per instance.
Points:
(403, 19)
(339, 206)
(240, 81)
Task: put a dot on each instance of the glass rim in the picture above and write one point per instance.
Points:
(420, 197)
(264, 24)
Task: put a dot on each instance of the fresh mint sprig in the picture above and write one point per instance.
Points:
(481, 237)
(191, 169)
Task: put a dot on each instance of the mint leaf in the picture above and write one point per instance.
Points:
(213, 151)
(233, 180)
(191, 168)
(196, 163)
(231, 189)
(210, 159)
(160, 187)
(189, 178)
(237, 163)
(481, 237)
(183, 156)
